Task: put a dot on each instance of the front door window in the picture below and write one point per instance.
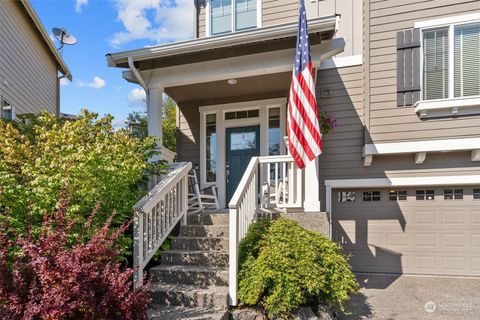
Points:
(242, 144)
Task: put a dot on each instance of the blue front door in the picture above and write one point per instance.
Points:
(242, 144)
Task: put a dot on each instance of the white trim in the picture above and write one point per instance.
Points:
(422, 146)
(463, 180)
(448, 107)
(341, 62)
(222, 125)
(241, 105)
(257, 35)
(449, 20)
(234, 67)
(259, 14)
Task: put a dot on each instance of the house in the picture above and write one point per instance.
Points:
(31, 67)
(398, 183)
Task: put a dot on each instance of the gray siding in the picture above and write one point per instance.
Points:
(28, 72)
(387, 122)
(188, 134)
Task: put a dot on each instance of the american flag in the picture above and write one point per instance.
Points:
(305, 140)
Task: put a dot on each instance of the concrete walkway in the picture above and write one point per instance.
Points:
(415, 297)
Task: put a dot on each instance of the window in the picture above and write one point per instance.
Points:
(476, 194)
(451, 194)
(467, 60)
(435, 64)
(346, 196)
(274, 134)
(395, 195)
(371, 196)
(443, 78)
(7, 110)
(232, 115)
(222, 20)
(211, 147)
(425, 194)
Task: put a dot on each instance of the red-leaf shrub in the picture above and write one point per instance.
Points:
(44, 278)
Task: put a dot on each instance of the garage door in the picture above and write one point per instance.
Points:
(412, 231)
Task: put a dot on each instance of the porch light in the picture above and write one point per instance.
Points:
(232, 82)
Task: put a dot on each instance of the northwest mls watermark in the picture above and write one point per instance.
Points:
(431, 307)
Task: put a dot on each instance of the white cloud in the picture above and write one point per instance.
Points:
(96, 83)
(79, 4)
(137, 97)
(155, 20)
(64, 82)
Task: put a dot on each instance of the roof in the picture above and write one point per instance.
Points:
(38, 24)
(259, 35)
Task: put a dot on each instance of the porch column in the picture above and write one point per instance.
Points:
(311, 187)
(154, 113)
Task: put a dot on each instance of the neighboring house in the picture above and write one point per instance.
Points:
(30, 65)
(398, 183)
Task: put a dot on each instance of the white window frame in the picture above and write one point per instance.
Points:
(221, 125)
(14, 115)
(208, 22)
(451, 23)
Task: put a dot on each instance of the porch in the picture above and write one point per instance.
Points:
(231, 91)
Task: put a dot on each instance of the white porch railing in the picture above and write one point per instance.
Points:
(156, 214)
(268, 182)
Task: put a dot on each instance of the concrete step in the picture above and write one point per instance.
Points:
(189, 296)
(198, 243)
(208, 219)
(217, 259)
(204, 231)
(183, 313)
(190, 275)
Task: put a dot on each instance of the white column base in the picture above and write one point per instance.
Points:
(312, 187)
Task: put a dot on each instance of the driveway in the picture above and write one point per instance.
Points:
(415, 297)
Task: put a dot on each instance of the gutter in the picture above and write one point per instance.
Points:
(38, 24)
(137, 75)
(328, 23)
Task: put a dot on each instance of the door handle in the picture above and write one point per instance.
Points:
(227, 172)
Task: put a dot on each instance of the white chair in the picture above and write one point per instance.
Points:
(198, 200)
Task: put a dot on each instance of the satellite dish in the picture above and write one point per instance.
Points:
(63, 37)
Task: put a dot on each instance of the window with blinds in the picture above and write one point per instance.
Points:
(467, 60)
(435, 65)
(451, 61)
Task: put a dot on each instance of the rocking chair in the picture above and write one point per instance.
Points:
(198, 200)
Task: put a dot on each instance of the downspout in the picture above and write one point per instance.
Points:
(58, 96)
(137, 75)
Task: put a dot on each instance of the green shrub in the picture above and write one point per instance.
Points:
(39, 156)
(283, 266)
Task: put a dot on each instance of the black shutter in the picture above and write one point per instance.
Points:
(408, 67)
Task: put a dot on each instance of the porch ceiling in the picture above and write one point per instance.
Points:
(248, 88)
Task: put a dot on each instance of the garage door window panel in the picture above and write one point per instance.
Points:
(476, 194)
(397, 195)
(453, 194)
(346, 196)
(372, 196)
(425, 195)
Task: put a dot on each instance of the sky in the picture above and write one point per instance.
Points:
(107, 26)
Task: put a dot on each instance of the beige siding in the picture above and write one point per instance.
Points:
(28, 72)
(388, 123)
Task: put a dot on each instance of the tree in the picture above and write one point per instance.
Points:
(40, 155)
(137, 121)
